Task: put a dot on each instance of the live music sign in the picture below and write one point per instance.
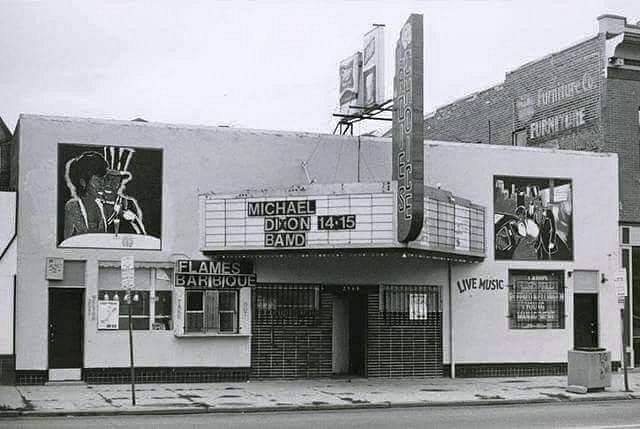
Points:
(408, 129)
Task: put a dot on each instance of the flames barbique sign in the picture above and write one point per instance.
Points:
(408, 129)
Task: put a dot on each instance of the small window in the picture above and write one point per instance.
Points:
(406, 305)
(211, 311)
(625, 235)
(536, 300)
(288, 304)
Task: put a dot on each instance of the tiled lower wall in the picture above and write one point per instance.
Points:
(164, 375)
(32, 376)
(7, 369)
(532, 369)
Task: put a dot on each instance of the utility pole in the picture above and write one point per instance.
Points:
(127, 269)
(133, 369)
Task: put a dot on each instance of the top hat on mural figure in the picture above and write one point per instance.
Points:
(118, 159)
(116, 203)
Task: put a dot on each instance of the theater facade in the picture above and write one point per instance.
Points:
(267, 254)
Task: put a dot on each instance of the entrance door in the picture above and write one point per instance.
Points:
(65, 327)
(585, 320)
(349, 332)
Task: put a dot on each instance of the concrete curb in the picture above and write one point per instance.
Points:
(322, 407)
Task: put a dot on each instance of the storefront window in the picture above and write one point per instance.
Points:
(153, 308)
(536, 300)
(406, 305)
(211, 311)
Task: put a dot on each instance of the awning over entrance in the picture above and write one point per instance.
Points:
(338, 219)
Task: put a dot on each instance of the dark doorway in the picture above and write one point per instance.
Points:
(585, 320)
(357, 333)
(350, 332)
(65, 327)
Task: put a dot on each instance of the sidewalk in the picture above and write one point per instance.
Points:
(81, 399)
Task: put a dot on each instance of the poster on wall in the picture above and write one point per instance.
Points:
(533, 218)
(108, 312)
(109, 197)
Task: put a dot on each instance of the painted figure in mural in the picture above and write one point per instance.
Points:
(540, 226)
(98, 202)
(123, 212)
(84, 212)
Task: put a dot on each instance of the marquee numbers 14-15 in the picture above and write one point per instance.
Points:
(336, 222)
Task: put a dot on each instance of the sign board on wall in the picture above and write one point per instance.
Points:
(408, 129)
(310, 220)
(54, 269)
(558, 97)
(209, 274)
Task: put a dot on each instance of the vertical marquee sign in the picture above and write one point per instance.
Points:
(408, 129)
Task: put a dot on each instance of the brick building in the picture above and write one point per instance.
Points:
(585, 97)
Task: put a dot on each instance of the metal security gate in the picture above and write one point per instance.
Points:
(291, 333)
(405, 332)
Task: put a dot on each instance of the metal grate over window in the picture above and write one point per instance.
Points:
(409, 304)
(287, 304)
(536, 304)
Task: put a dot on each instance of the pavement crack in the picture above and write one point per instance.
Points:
(28, 405)
(477, 395)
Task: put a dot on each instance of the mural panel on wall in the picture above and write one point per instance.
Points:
(533, 218)
(109, 197)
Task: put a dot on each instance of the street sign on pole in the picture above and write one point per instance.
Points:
(128, 273)
(620, 283)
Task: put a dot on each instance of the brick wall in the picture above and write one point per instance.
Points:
(558, 95)
(469, 120)
(622, 135)
(293, 350)
(403, 350)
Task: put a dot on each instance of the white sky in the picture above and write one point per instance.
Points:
(259, 64)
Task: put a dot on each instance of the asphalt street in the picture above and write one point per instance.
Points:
(611, 414)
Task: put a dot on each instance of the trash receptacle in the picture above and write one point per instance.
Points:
(589, 367)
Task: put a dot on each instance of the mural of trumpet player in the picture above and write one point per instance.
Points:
(533, 218)
(108, 198)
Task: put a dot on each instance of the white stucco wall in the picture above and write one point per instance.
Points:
(481, 326)
(223, 160)
(195, 160)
